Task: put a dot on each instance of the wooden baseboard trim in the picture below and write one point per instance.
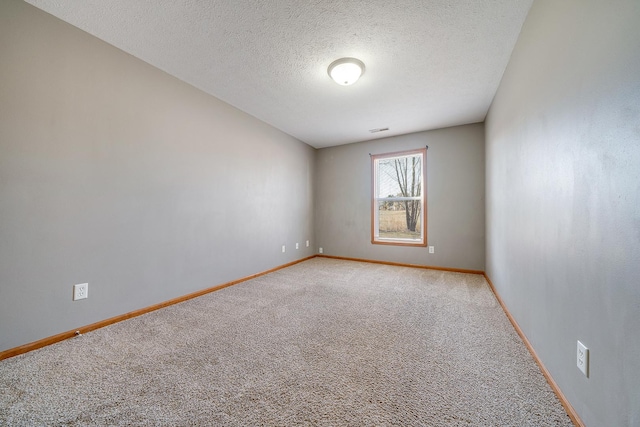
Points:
(399, 264)
(101, 324)
(563, 400)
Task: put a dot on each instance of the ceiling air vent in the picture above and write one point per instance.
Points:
(378, 130)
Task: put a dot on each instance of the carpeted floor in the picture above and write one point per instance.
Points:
(324, 342)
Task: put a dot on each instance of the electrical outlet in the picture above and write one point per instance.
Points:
(297, 246)
(320, 250)
(432, 249)
(284, 249)
(80, 291)
(307, 243)
(583, 359)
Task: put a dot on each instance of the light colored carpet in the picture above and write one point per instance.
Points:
(324, 342)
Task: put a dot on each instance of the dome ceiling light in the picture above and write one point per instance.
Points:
(346, 71)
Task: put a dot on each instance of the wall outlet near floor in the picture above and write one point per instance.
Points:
(284, 249)
(297, 246)
(320, 250)
(80, 291)
(432, 249)
(583, 359)
(307, 243)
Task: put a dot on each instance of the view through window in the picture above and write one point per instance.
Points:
(399, 202)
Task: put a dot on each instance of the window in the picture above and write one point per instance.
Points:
(398, 204)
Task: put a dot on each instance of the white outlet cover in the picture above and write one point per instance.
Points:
(297, 246)
(582, 359)
(80, 291)
(307, 243)
(432, 249)
(283, 249)
(320, 250)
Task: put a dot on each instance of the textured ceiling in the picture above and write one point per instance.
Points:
(429, 63)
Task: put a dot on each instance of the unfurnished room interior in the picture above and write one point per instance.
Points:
(331, 213)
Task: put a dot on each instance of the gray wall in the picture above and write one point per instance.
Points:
(455, 199)
(116, 174)
(563, 198)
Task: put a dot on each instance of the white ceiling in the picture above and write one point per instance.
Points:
(429, 63)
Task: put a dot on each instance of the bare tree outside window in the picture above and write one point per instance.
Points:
(408, 175)
(398, 202)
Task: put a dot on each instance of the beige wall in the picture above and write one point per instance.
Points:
(563, 198)
(116, 174)
(455, 198)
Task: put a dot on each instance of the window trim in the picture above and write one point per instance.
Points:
(374, 200)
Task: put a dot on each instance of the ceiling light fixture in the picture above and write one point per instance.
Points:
(346, 71)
